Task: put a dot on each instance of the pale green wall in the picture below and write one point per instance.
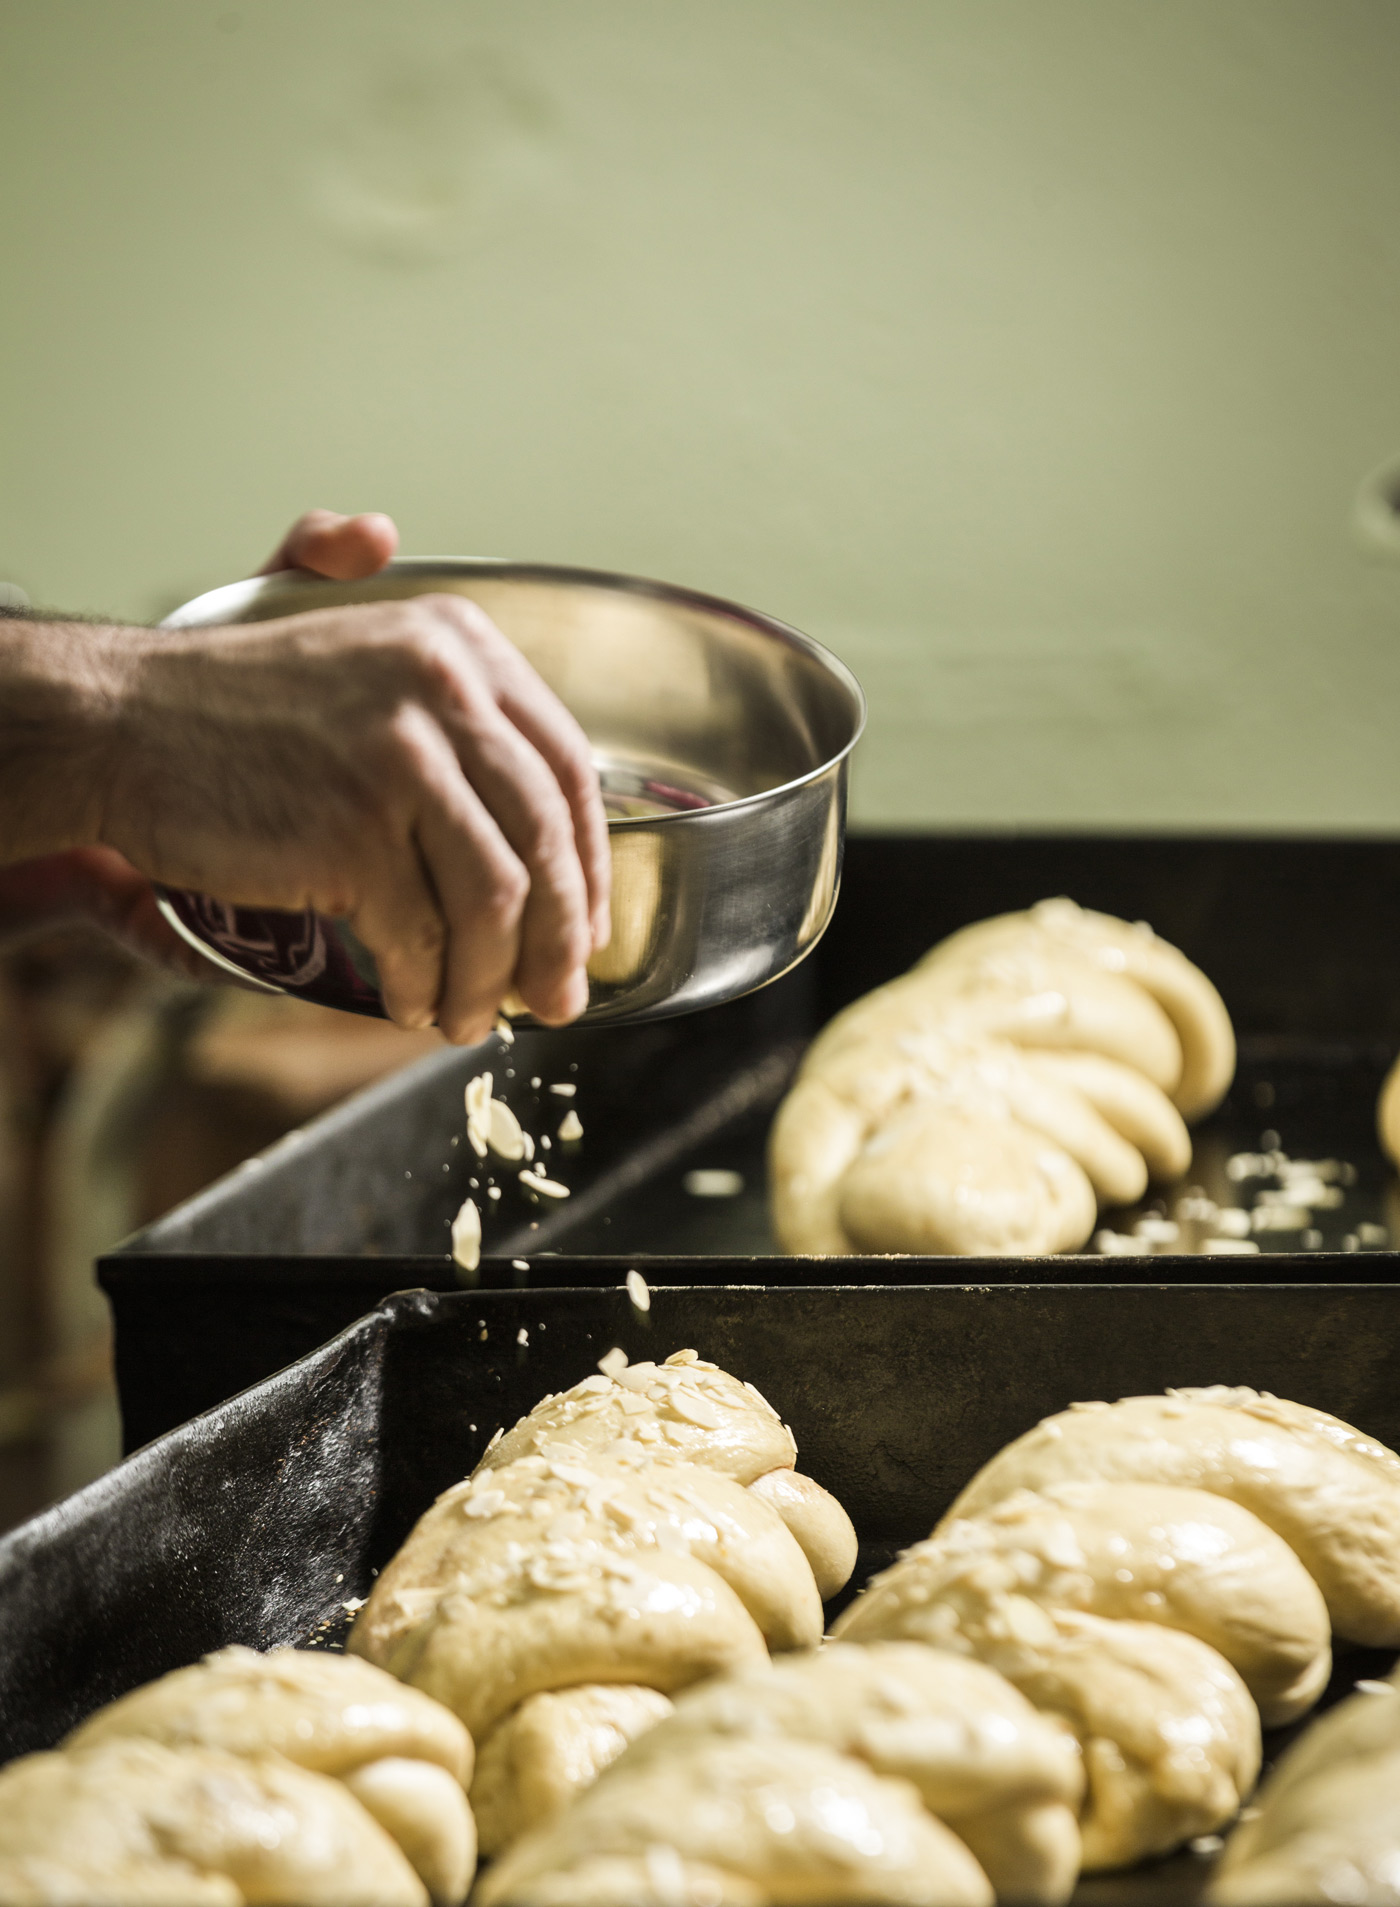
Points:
(1028, 351)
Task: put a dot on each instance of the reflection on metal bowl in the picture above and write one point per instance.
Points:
(723, 742)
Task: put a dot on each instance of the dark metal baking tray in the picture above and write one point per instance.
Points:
(257, 1522)
(1300, 935)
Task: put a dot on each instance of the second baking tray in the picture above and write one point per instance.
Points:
(1300, 935)
(260, 1521)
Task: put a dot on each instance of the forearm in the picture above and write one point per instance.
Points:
(59, 683)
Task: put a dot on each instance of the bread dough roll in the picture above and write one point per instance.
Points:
(1179, 987)
(684, 1409)
(948, 1179)
(132, 1823)
(1169, 1734)
(473, 1535)
(823, 1530)
(1055, 997)
(421, 1807)
(1006, 1779)
(1388, 1115)
(550, 1749)
(1327, 1824)
(1336, 1839)
(1331, 1493)
(790, 1821)
(580, 1610)
(1138, 1111)
(1013, 1031)
(1141, 1552)
(814, 1138)
(327, 1712)
(402, 1755)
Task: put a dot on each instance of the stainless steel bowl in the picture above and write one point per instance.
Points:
(722, 740)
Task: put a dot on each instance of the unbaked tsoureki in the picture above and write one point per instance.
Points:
(1028, 1069)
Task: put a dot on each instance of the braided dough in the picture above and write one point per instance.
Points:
(1006, 1779)
(1169, 1735)
(742, 1823)
(1027, 1070)
(551, 1748)
(1135, 1552)
(609, 1541)
(134, 1822)
(404, 1758)
(1143, 1569)
(1330, 1492)
(1327, 1827)
(684, 1409)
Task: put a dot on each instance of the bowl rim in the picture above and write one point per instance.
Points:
(230, 602)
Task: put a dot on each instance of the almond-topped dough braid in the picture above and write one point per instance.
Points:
(404, 1757)
(1141, 1568)
(132, 1823)
(610, 1540)
(1029, 1069)
(1327, 1824)
(889, 1773)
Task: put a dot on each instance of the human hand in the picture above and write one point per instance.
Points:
(396, 764)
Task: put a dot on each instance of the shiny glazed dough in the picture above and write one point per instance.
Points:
(760, 1821)
(480, 1532)
(1005, 1778)
(823, 1530)
(1327, 1824)
(1388, 1115)
(1144, 1553)
(1331, 1493)
(685, 1410)
(1184, 993)
(403, 1756)
(949, 1179)
(990, 1100)
(1169, 1734)
(550, 1749)
(327, 1712)
(133, 1823)
(586, 1611)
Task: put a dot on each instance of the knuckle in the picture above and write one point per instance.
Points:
(547, 829)
(505, 890)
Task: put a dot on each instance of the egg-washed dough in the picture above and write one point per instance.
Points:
(571, 1610)
(1337, 1839)
(550, 1749)
(1327, 1822)
(476, 1533)
(747, 1822)
(990, 1100)
(132, 1823)
(1169, 1734)
(1195, 1008)
(966, 1180)
(684, 1409)
(1141, 1552)
(1388, 1115)
(1005, 1778)
(1329, 1491)
(823, 1530)
(403, 1756)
